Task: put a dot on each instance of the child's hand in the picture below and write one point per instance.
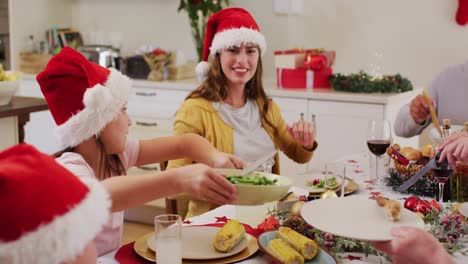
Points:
(227, 161)
(206, 184)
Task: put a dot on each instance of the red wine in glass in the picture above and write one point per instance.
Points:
(379, 138)
(378, 146)
(442, 173)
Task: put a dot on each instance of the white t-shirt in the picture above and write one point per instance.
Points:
(109, 238)
(251, 141)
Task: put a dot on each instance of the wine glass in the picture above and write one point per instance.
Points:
(379, 138)
(442, 173)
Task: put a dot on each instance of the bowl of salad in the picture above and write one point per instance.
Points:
(257, 187)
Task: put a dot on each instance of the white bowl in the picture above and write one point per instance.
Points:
(260, 194)
(7, 91)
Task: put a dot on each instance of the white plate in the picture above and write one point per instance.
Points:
(197, 243)
(355, 217)
(313, 176)
(435, 136)
(464, 209)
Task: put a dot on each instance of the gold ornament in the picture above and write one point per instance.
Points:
(296, 208)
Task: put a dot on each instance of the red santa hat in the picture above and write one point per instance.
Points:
(226, 28)
(83, 97)
(49, 214)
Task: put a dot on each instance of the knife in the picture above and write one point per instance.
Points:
(431, 164)
(252, 166)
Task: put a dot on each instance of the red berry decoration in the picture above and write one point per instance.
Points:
(436, 205)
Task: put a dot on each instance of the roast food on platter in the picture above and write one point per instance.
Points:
(409, 160)
(392, 208)
(229, 236)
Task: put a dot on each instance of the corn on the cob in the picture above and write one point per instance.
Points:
(284, 252)
(307, 247)
(229, 236)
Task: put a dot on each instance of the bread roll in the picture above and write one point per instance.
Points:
(392, 207)
(427, 151)
(411, 153)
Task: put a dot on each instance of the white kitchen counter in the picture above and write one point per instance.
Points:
(273, 90)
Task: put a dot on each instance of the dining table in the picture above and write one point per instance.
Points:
(358, 170)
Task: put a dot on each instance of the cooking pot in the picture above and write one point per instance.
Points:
(106, 56)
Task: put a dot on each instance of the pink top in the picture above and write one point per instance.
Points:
(109, 238)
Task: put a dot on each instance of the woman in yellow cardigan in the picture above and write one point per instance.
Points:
(230, 108)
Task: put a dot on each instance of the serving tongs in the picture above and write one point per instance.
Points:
(432, 111)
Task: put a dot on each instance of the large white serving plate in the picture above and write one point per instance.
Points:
(355, 217)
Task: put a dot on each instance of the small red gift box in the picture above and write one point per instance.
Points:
(303, 78)
(316, 59)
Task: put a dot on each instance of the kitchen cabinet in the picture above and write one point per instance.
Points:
(152, 110)
(293, 110)
(342, 125)
(341, 128)
(9, 135)
(39, 130)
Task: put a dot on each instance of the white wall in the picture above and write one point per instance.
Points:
(34, 17)
(416, 38)
(141, 22)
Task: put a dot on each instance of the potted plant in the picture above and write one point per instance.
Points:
(198, 12)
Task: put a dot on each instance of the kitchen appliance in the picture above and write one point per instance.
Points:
(5, 51)
(106, 56)
(136, 67)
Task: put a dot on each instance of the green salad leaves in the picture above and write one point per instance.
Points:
(256, 179)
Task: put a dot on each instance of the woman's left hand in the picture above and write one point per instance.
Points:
(225, 160)
(303, 133)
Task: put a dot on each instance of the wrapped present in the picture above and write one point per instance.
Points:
(315, 59)
(303, 78)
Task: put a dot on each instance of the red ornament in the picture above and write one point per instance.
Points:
(410, 202)
(462, 12)
(423, 207)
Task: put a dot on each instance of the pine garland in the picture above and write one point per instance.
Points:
(423, 187)
(364, 83)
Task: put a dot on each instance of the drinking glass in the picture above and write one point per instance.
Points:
(329, 171)
(442, 173)
(168, 236)
(379, 138)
